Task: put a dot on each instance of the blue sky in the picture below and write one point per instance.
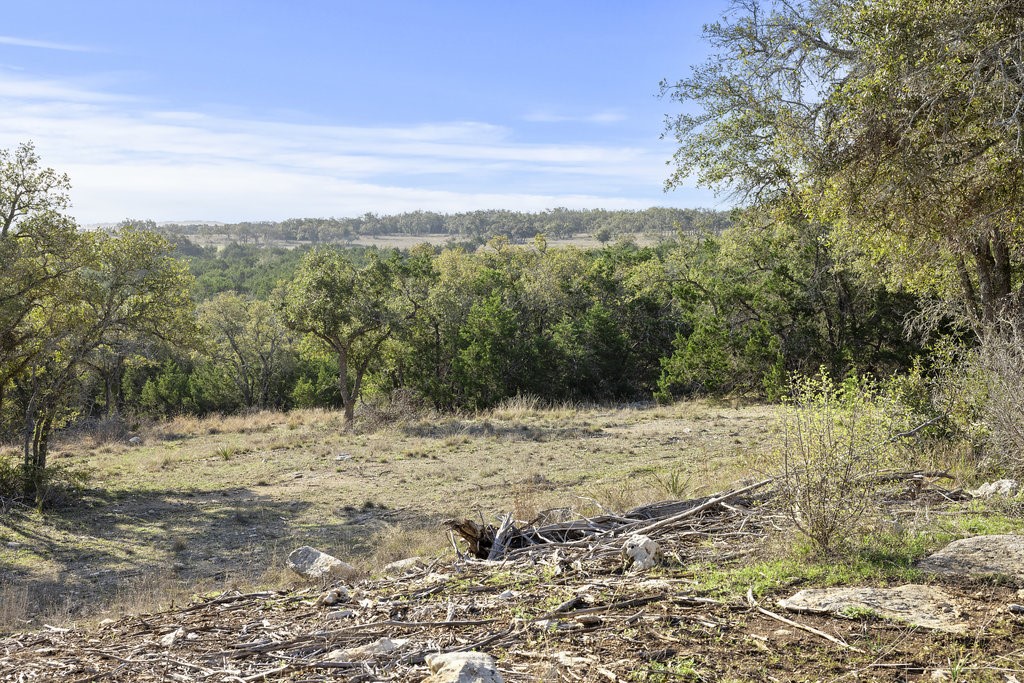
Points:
(267, 110)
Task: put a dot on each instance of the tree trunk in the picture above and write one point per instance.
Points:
(348, 401)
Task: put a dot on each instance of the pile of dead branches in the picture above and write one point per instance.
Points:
(601, 536)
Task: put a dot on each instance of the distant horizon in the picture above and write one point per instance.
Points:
(251, 111)
(161, 223)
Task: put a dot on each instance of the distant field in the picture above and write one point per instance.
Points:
(208, 503)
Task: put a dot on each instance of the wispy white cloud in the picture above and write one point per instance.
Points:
(601, 117)
(128, 158)
(44, 44)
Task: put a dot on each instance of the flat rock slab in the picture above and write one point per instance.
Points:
(462, 667)
(980, 556)
(924, 606)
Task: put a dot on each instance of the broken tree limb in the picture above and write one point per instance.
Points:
(809, 629)
(701, 508)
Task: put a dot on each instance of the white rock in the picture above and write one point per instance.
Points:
(135, 441)
(403, 567)
(172, 637)
(1002, 488)
(310, 563)
(925, 606)
(340, 614)
(980, 556)
(462, 667)
(640, 553)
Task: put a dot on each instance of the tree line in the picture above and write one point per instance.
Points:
(474, 227)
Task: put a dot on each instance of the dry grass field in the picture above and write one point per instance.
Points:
(208, 504)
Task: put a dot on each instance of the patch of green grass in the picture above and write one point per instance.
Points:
(858, 612)
(880, 559)
(226, 452)
(663, 672)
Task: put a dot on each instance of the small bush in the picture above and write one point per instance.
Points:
(401, 406)
(1000, 361)
(835, 439)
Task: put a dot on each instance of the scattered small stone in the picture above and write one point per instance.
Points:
(173, 637)
(13, 545)
(106, 622)
(1002, 488)
(310, 563)
(640, 553)
(1014, 608)
(462, 667)
(507, 595)
(135, 441)
(780, 632)
(366, 652)
(342, 456)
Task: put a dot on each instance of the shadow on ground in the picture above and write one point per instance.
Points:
(143, 547)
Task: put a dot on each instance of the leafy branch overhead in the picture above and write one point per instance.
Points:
(895, 128)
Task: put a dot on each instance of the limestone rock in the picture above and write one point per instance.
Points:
(173, 637)
(402, 567)
(310, 563)
(980, 556)
(340, 614)
(462, 667)
(640, 553)
(383, 646)
(1002, 488)
(924, 606)
(333, 596)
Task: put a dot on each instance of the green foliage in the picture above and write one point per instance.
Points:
(167, 393)
(72, 305)
(896, 128)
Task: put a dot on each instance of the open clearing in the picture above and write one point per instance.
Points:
(207, 504)
(106, 588)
